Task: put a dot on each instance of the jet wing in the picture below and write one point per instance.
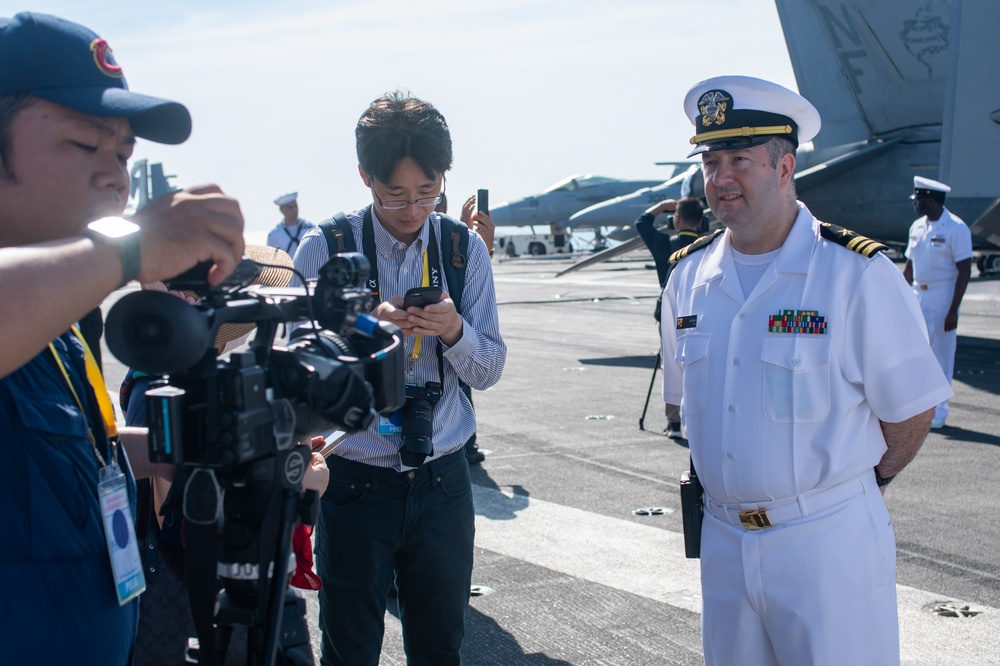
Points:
(826, 171)
(604, 255)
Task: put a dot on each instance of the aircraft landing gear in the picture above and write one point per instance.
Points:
(988, 264)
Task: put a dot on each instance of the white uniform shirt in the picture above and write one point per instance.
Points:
(935, 247)
(286, 237)
(771, 415)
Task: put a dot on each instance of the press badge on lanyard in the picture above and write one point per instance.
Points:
(119, 532)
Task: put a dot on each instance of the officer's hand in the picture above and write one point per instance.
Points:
(440, 319)
(183, 228)
(392, 311)
(951, 321)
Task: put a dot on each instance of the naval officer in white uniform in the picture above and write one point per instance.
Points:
(800, 361)
(938, 265)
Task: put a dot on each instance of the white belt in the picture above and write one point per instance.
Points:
(769, 514)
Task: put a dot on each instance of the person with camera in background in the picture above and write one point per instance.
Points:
(68, 125)
(399, 502)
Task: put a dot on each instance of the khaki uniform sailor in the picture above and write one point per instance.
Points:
(775, 346)
(939, 254)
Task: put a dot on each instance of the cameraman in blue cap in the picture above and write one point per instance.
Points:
(68, 125)
(799, 408)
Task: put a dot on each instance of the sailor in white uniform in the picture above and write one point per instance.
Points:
(939, 263)
(287, 234)
(799, 358)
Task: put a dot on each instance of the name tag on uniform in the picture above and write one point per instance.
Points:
(690, 321)
(119, 532)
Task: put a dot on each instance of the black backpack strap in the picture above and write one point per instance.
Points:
(454, 250)
(338, 233)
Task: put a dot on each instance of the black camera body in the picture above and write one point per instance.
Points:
(222, 413)
(232, 425)
(418, 423)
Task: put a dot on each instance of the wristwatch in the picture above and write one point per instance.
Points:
(119, 232)
(882, 481)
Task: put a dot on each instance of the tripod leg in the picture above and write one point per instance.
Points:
(652, 380)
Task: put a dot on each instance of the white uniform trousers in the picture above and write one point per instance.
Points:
(934, 303)
(817, 590)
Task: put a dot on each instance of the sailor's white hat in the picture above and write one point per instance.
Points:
(286, 199)
(928, 185)
(732, 112)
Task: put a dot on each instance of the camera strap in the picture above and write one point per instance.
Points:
(368, 249)
(431, 274)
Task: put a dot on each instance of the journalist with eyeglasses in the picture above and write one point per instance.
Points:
(399, 503)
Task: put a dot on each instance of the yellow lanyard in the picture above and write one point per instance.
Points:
(96, 382)
(418, 343)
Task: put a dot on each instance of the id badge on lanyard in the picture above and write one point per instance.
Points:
(119, 532)
(112, 491)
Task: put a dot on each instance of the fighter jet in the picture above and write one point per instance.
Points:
(898, 98)
(557, 203)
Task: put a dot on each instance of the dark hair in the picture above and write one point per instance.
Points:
(689, 209)
(10, 106)
(396, 126)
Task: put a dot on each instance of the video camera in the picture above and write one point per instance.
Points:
(232, 425)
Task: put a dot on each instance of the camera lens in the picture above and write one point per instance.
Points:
(418, 429)
(149, 331)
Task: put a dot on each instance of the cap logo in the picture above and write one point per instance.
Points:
(104, 59)
(713, 105)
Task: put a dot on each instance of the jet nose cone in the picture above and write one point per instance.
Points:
(598, 215)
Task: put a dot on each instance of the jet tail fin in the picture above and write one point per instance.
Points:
(892, 61)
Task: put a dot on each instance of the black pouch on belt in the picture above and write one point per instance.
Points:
(692, 512)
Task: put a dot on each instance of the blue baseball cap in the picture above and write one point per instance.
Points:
(65, 63)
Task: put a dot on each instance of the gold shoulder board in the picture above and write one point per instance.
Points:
(699, 244)
(852, 241)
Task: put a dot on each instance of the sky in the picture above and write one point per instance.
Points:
(532, 92)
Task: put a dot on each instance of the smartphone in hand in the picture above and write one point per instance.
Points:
(419, 297)
(483, 200)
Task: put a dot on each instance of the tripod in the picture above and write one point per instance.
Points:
(250, 556)
(652, 380)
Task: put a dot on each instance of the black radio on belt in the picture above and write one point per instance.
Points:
(692, 512)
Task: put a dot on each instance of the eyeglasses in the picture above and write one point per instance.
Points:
(400, 204)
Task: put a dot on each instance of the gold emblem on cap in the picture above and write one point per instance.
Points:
(713, 106)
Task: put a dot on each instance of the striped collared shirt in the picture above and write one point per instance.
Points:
(477, 358)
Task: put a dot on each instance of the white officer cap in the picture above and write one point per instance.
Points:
(286, 199)
(732, 112)
(923, 185)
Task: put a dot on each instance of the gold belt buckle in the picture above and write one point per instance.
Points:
(755, 520)
(923, 287)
